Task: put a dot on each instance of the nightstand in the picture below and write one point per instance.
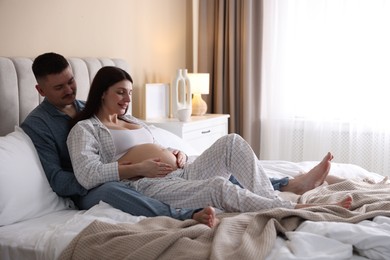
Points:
(201, 131)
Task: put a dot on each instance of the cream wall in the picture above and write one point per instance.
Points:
(152, 35)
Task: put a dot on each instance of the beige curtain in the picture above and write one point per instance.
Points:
(230, 40)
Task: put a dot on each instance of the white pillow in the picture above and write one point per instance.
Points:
(168, 139)
(24, 190)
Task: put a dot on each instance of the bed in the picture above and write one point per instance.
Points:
(37, 224)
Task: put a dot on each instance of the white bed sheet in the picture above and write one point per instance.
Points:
(335, 240)
(46, 237)
(331, 240)
(280, 169)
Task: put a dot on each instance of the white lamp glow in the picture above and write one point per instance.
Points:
(199, 85)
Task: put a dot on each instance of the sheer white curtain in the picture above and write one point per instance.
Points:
(326, 81)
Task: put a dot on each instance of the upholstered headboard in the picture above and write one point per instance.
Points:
(18, 95)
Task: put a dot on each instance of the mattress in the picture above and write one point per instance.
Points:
(46, 237)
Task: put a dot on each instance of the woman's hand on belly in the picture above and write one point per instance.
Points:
(149, 160)
(154, 168)
(150, 168)
(181, 158)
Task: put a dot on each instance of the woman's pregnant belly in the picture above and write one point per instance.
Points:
(143, 152)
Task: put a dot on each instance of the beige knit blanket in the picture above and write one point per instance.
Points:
(238, 236)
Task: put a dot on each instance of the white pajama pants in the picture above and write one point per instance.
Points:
(205, 182)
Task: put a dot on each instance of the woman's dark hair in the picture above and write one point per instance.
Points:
(104, 78)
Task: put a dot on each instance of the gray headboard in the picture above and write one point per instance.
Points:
(18, 95)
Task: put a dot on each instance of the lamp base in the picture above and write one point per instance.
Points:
(199, 106)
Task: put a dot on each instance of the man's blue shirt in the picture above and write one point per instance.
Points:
(48, 129)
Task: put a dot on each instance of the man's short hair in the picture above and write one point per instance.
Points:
(48, 63)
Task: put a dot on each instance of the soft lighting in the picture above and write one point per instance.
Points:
(199, 85)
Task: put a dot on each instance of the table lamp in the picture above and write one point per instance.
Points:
(199, 85)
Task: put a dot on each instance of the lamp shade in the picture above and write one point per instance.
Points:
(200, 82)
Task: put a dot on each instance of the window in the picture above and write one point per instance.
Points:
(326, 81)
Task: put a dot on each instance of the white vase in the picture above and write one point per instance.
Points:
(187, 90)
(180, 92)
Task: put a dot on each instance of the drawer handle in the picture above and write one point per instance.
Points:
(206, 132)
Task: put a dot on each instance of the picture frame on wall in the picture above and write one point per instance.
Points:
(156, 100)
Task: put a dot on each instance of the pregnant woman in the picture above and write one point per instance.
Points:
(107, 145)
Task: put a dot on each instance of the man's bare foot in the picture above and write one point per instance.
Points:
(310, 180)
(206, 216)
(345, 203)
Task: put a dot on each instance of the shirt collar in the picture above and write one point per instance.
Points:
(54, 111)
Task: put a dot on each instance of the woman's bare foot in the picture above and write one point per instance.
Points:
(206, 216)
(310, 180)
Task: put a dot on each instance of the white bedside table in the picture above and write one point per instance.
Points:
(201, 131)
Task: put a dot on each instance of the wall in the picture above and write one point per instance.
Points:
(154, 36)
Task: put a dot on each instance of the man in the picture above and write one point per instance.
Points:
(48, 127)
